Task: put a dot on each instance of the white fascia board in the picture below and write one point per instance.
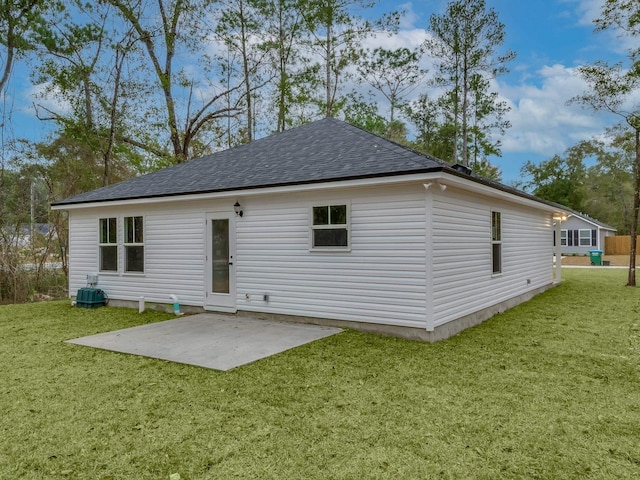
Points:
(595, 224)
(365, 182)
(586, 220)
(442, 178)
(445, 179)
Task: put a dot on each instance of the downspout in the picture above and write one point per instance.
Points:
(428, 246)
(558, 252)
(176, 304)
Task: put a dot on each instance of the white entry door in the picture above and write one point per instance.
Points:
(220, 263)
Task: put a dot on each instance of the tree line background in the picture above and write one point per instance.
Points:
(130, 86)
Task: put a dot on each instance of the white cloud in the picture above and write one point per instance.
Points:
(542, 122)
(407, 38)
(49, 97)
(588, 11)
(410, 18)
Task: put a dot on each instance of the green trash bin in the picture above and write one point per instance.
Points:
(596, 257)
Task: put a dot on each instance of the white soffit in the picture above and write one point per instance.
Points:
(442, 180)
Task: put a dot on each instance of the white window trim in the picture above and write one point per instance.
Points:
(135, 244)
(586, 238)
(563, 237)
(313, 227)
(121, 247)
(496, 242)
(116, 244)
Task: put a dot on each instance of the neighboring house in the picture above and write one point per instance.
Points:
(325, 221)
(580, 234)
(20, 236)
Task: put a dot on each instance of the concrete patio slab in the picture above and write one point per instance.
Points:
(220, 342)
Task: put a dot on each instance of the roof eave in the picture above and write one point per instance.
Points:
(445, 175)
(362, 181)
(592, 221)
(487, 187)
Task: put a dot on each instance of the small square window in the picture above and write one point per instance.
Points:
(338, 215)
(585, 238)
(330, 227)
(321, 215)
(134, 258)
(109, 258)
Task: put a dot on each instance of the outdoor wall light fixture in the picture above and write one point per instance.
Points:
(238, 209)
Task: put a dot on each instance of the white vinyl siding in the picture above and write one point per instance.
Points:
(84, 251)
(381, 279)
(386, 277)
(462, 263)
(174, 254)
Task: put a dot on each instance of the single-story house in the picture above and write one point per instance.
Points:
(324, 222)
(580, 233)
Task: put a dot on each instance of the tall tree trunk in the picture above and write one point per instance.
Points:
(88, 103)
(282, 96)
(631, 282)
(164, 74)
(245, 71)
(392, 103)
(228, 99)
(283, 80)
(465, 106)
(11, 35)
(328, 70)
(113, 117)
(456, 120)
(10, 42)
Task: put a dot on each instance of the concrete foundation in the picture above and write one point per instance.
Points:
(449, 329)
(441, 332)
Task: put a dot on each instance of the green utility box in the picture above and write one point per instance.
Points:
(596, 257)
(90, 298)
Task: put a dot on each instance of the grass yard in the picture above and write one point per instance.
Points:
(547, 390)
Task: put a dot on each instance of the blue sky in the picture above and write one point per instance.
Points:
(551, 37)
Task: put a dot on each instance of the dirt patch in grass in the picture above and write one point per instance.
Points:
(614, 260)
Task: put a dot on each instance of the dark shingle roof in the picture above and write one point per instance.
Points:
(322, 151)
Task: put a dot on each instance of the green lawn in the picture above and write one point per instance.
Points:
(547, 390)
